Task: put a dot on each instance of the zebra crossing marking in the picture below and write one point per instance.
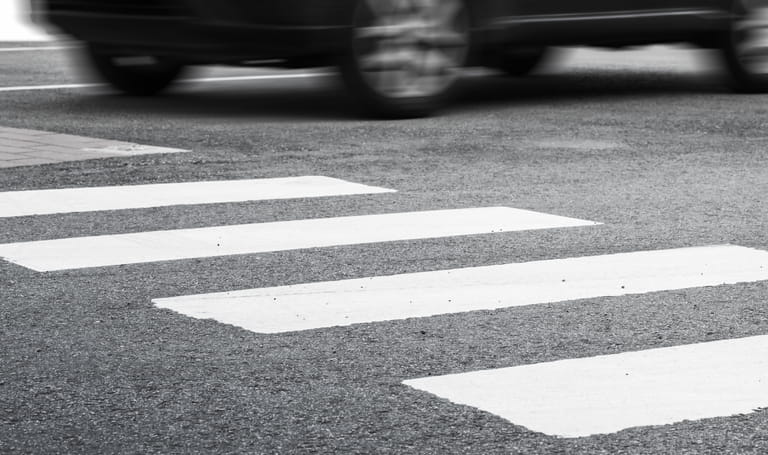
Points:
(567, 398)
(609, 393)
(384, 298)
(142, 247)
(49, 201)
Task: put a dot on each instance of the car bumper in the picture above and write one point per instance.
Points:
(193, 39)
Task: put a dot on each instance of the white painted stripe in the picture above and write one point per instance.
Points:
(339, 303)
(22, 88)
(605, 394)
(258, 77)
(35, 48)
(38, 202)
(143, 247)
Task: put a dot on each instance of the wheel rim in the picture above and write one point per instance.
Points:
(751, 37)
(410, 48)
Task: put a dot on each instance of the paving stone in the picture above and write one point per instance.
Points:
(14, 136)
(24, 162)
(10, 155)
(23, 147)
(56, 156)
(9, 142)
(51, 148)
(130, 150)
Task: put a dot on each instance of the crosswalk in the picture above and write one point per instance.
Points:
(605, 394)
(386, 298)
(72, 200)
(136, 248)
(568, 398)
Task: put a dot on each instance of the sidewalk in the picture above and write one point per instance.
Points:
(22, 147)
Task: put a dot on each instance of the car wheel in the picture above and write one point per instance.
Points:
(745, 46)
(405, 55)
(134, 75)
(520, 63)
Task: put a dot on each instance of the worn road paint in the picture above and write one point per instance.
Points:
(259, 77)
(39, 202)
(106, 250)
(23, 88)
(383, 298)
(35, 48)
(605, 394)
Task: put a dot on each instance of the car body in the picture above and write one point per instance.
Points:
(400, 56)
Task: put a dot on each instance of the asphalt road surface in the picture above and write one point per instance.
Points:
(646, 148)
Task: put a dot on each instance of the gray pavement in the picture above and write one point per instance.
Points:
(664, 157)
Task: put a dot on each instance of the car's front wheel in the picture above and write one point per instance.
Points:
(134, 75)
(405, 55)
(745, 46)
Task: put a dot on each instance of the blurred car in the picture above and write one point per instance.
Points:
(399, 57)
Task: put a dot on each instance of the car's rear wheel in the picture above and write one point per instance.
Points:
(405, 55)
(140, 75)
(745, 46)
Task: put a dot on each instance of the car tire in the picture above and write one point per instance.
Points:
(520, 63)
(405, 56)
(134, 75)
(745, 46)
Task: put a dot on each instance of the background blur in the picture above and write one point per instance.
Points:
(14, 25)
